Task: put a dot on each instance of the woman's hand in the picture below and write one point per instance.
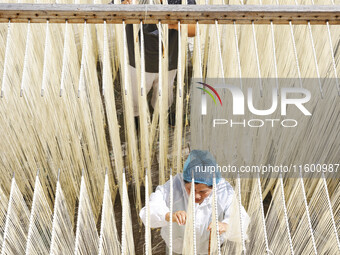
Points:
(127, 2)
(180, 217)
(222, 227)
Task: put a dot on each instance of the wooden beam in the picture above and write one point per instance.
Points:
(170, 14)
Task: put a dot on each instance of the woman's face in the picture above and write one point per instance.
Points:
(202, 191)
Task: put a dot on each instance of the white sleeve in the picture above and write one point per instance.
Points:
(229, 193)
(158, 207)
(226, 212)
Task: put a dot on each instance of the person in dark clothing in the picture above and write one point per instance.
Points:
(151, 36)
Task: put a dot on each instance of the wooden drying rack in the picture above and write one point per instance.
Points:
(170, 14)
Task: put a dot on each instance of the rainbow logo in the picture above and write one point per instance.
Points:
(209, 93)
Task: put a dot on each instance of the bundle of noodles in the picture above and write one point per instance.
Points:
(130, 130)
(3, 212)
(214, 242)
(162, 100)
(189, 240)
(108, 240)
(40, 223)
(182, 60)
(237, 231)
(148, 247)
(127, 245)
(299, 218)
(110, 107)
(323, 221)
(86, 239)
(335, 203)
(62, 239)
(144, 116)
(93, 119)
(279, 233)
(258, 241)
(16, 224)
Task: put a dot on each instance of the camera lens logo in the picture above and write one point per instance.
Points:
(209, 93)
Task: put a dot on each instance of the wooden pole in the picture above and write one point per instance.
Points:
(170, 14)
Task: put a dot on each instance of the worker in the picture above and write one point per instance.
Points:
(151, 36)
(196, 164)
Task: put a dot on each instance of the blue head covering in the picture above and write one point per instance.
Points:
(203, 165)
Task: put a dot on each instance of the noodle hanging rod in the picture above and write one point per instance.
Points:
(169, 14)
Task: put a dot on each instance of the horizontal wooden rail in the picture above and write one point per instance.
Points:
(169, 14)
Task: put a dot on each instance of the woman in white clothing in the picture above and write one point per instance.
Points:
(197, 162)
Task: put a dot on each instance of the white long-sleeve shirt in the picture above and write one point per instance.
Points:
(159, 207)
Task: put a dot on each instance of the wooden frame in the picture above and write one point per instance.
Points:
(170, 14)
